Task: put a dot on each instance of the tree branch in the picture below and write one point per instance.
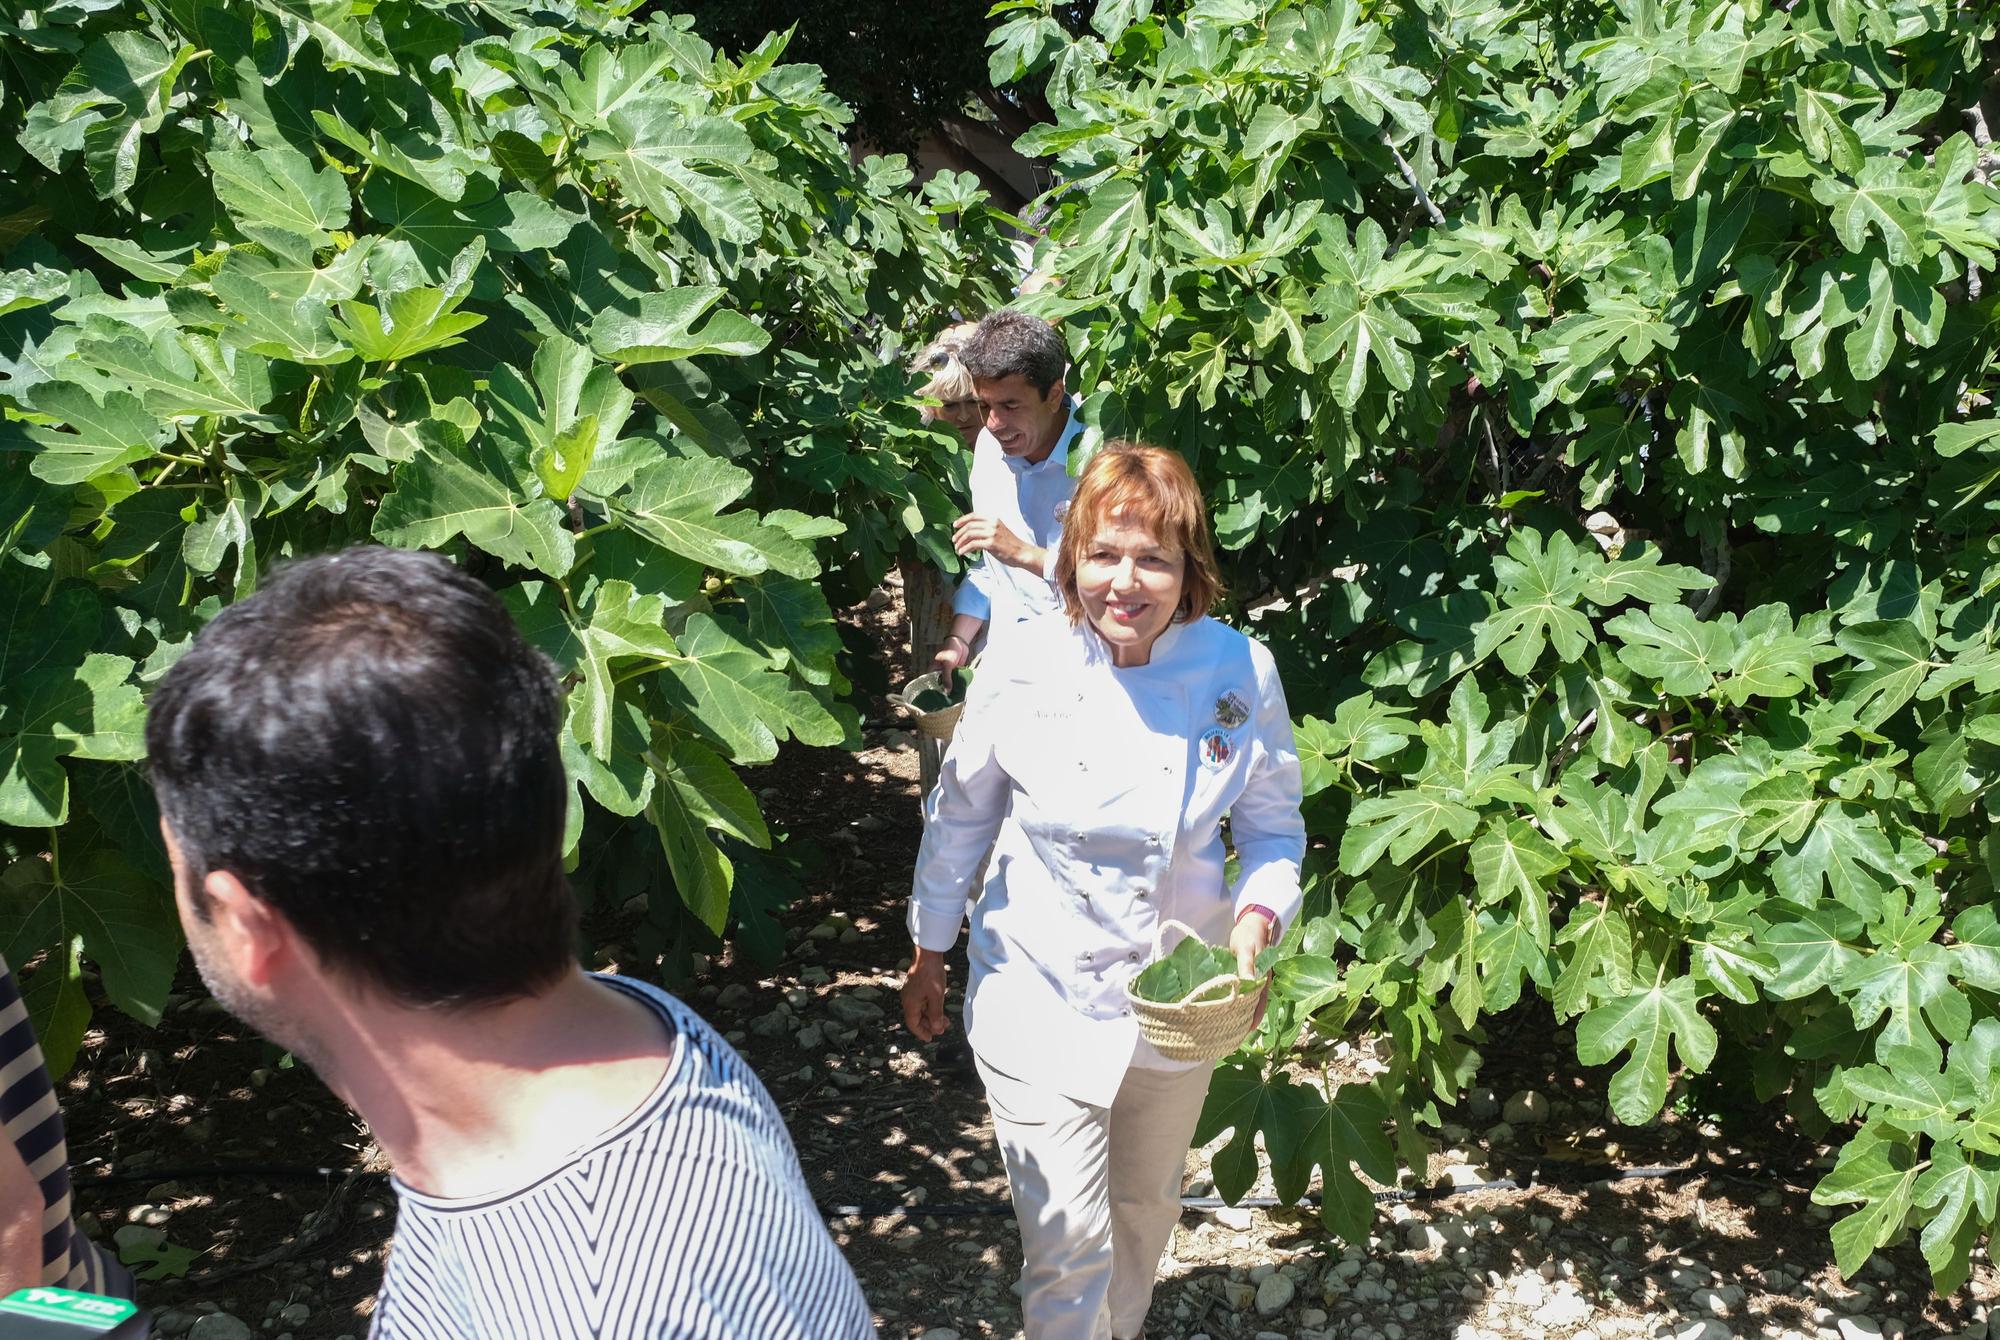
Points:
(1410, 176)
(1715, 562)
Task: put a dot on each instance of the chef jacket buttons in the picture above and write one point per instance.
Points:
(1134, 956)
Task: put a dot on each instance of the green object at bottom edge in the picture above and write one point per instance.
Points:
(67, 1305)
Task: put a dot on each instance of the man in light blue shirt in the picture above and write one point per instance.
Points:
(1020, 481)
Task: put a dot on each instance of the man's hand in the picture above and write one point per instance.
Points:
(923, 996)
(951, 656)
(975, 533)
(1250, 938)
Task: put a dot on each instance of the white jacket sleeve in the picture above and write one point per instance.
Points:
(962, 815)
(1265, 825)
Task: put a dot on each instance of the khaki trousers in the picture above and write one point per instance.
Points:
(1097, 1191)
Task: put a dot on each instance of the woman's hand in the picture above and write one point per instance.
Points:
(923, 996)
(1251, 936)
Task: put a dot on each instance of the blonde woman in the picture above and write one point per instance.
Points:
(1101, 749)
(950, 384)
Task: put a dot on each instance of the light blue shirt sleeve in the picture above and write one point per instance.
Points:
(971, 597)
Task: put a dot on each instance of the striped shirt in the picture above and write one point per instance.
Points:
(688, 1219)
(32, 1123)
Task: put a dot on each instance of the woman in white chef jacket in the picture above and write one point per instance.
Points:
(1098, 754)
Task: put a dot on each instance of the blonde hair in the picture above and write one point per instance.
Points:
(939, 360)
(1147, 486)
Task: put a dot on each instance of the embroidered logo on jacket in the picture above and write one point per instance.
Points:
(1231, 711)
(1216, 749)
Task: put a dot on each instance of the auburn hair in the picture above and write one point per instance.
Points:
(1145, 486)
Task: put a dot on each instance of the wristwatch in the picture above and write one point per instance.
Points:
(1268, 914)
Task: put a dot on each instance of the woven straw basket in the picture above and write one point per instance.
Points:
(937, 725)
(1194, 1029)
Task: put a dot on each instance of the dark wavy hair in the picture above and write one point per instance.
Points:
(369, 744)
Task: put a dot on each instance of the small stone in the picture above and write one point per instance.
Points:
(152, 1216)
(1500, 1134)
(1233, 1217)
(853, 1011)
(1482, 1104)
(294, 1313)
(1860, 1328)
(1710, 1301)
(1528, 1293)
(811, 1037)
(1542, 1224)
(1422, 1237)
(1525, 1108)
(734, 996)
(1274, 1295)
(1706, 1329)
(775, 1024)
(220, 1326)
(1312, 1316)
(1565, 1308)
(1239, 1294)
(1370, 1291)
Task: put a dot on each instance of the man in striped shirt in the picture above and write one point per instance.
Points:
(362, 788)
(39, 1243)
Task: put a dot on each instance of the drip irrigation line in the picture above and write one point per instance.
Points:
(205, 1171)
(1442, 1191)
(1589, 1174)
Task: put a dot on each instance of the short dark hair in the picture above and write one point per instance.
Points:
(1007, 343)
(372, 748)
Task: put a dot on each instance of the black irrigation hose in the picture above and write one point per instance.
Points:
(1442, 1191)
(282, 1170)
(1438, 1192)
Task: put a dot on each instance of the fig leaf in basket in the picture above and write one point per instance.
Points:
(1170, 980)
(931, 700)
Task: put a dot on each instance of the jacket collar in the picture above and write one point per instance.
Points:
(1169, 649)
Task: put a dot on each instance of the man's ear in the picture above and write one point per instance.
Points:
(1057, 388)
(257, 938)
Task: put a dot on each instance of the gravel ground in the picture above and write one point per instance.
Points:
(882, 1123)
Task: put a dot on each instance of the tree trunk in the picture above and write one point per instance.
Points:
(927, 597)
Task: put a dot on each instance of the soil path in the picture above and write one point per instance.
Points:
(284, 1250)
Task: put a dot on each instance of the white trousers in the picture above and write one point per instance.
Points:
(1097, 1191)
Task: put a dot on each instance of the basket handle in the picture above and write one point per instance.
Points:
(1159, 932)
(1188, 932)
